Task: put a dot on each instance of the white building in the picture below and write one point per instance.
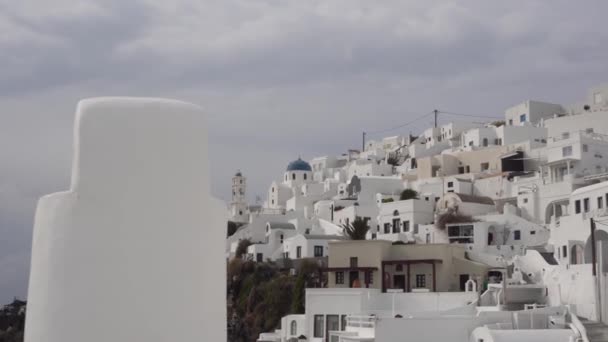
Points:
(397, 220)
(137, 226)
(272, 247)
(531, 112)
(303, 246)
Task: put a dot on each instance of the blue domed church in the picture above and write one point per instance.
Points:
(297, 173)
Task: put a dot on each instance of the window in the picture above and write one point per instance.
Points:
(340, 277)
(240, 212)
(272, 189)
(420, 280)
(428, 237)
(272, 201)
(354, 262)
(510, 122)
(517, 235)
(293, 329)
(304, 176)
(485, 166)
(450, 184)
(589, 130)
(577, 206)
(522, 118)
(333, 323)
(468, 169)
(293, 176)
(369, 277)
(586, 205)
(566, 151)
(461, 169)
(565, 135)
(498, 141)
(600, 202)
(533, 232)
(485, 142)
(597, 98)
(460, 233)
(318, 251)
(396, 225)
(525, 200)
(396, 213)
(241, 181)
(281, 237)
(299, 252)
(259, 257)
(387, 228)
(319, 324)
(471, 143)
(564, 251)
(343, 320)
(406, 226)
(585, 148)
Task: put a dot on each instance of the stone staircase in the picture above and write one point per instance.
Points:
(596, 331)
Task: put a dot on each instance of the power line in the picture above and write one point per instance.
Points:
(399, 126)
(469, 115)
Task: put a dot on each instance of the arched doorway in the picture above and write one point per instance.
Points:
(600, 235)
(576, 254)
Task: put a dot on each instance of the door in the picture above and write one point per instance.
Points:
(399, 281)
(333, 324)
(463, 281)
(353, 276)
(396, 225)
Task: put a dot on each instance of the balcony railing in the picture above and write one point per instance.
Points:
(356, 321)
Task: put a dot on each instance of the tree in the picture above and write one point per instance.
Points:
(393, 161)
(241, 249)
(356, 230)
(408, 194)
(297, 306)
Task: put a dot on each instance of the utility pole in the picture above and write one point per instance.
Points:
(363, 146)
(435, 112)
(598, 304)
(593, 255)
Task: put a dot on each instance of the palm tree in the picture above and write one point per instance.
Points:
(356, 230)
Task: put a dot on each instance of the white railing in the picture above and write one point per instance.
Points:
(337, 336)
(358, 321)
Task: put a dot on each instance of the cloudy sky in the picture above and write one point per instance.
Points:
(279, 78)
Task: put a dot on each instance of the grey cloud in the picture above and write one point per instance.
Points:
(278, 78)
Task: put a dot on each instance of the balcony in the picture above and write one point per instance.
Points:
(358, 328)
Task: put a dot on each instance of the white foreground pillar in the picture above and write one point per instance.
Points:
(133, 252)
